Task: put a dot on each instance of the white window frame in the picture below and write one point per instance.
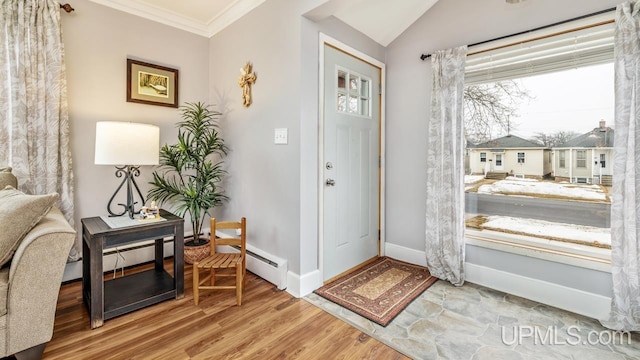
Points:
(521, 158)
(483, 159)
(492, 62)
(348, 93)
(562, 159)
(581, 159)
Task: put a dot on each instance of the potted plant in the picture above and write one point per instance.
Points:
(189, 173)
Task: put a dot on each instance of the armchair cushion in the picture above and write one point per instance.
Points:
(19, 213)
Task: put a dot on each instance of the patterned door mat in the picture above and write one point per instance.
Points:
(380, 290)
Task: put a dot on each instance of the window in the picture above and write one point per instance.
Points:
(603, 161)
(566, 72)
(581, 159)
(353, 93)
(483, 157)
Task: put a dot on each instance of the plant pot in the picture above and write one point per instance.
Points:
(193, 253)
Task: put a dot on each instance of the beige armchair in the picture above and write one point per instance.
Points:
(30, 283)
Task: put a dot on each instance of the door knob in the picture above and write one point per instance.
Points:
(330, 182)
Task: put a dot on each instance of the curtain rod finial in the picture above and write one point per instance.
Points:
(67, 8)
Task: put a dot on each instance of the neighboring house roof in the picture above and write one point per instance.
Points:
(598, 137)
(509, 142)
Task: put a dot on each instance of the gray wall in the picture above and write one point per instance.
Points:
(264, 180)
(98, 40)
(449, 23)
(275, 186)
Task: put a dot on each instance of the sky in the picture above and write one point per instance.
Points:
(572, 100)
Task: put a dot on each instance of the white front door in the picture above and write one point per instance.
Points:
(350, 169)
(498, 162)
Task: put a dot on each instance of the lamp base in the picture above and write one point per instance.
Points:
(129, 172)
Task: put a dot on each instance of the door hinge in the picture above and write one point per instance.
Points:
(379, 89)
(379, 238)
(379, 161)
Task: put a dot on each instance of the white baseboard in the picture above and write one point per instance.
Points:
(304, 285)
(405, 254)
(276, 275)
(578, 301)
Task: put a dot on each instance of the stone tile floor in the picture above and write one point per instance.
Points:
(476, 323)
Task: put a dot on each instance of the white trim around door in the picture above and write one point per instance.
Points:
(327, 40)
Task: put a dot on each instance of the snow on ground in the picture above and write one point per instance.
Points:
(470, 179)
(546, 229)
(515, 186)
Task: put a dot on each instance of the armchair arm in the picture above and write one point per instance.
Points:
(34, 282)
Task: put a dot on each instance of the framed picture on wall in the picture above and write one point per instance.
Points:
(151, 84)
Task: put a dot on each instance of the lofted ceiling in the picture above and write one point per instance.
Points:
(381, 20)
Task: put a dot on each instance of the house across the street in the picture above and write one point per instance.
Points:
(510, 155)
(586, 158)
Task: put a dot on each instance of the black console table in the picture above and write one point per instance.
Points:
(111, 298)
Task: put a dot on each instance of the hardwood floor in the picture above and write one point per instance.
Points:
(270, 324)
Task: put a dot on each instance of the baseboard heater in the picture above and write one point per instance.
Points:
(267, 266)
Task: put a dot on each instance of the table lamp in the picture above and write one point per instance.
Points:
(126, 145)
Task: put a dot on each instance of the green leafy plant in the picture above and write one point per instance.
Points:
(187, 176)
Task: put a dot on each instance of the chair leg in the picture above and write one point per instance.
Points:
(196, 283)
(244, 278)
(239, 284)
(34, 352)
(213, 277)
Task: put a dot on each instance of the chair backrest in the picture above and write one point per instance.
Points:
(240, 241)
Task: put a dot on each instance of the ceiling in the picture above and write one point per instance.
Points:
(381, 20)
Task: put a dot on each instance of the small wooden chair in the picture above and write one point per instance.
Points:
(221, 261)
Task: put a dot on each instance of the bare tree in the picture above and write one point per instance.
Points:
(554, 139)
(489, 108)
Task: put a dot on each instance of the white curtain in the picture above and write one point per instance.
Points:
(34, 123)
(445, 168)
(625, 204)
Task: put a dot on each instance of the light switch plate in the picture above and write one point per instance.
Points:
(280, 136)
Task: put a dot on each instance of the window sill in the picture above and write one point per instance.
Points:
(567, 253)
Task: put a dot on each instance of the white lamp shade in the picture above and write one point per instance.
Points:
(126, 143)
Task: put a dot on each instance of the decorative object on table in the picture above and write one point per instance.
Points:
(187, 177)
(380, 290)
(220, 264)
(151, 84)
(246, 79)
(150, 212)
(127, 146)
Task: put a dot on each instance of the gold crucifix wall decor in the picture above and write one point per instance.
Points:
(246, 79)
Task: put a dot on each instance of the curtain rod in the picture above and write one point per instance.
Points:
(426, 56)
(67, 8)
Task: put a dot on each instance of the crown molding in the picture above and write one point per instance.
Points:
(230, 14)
